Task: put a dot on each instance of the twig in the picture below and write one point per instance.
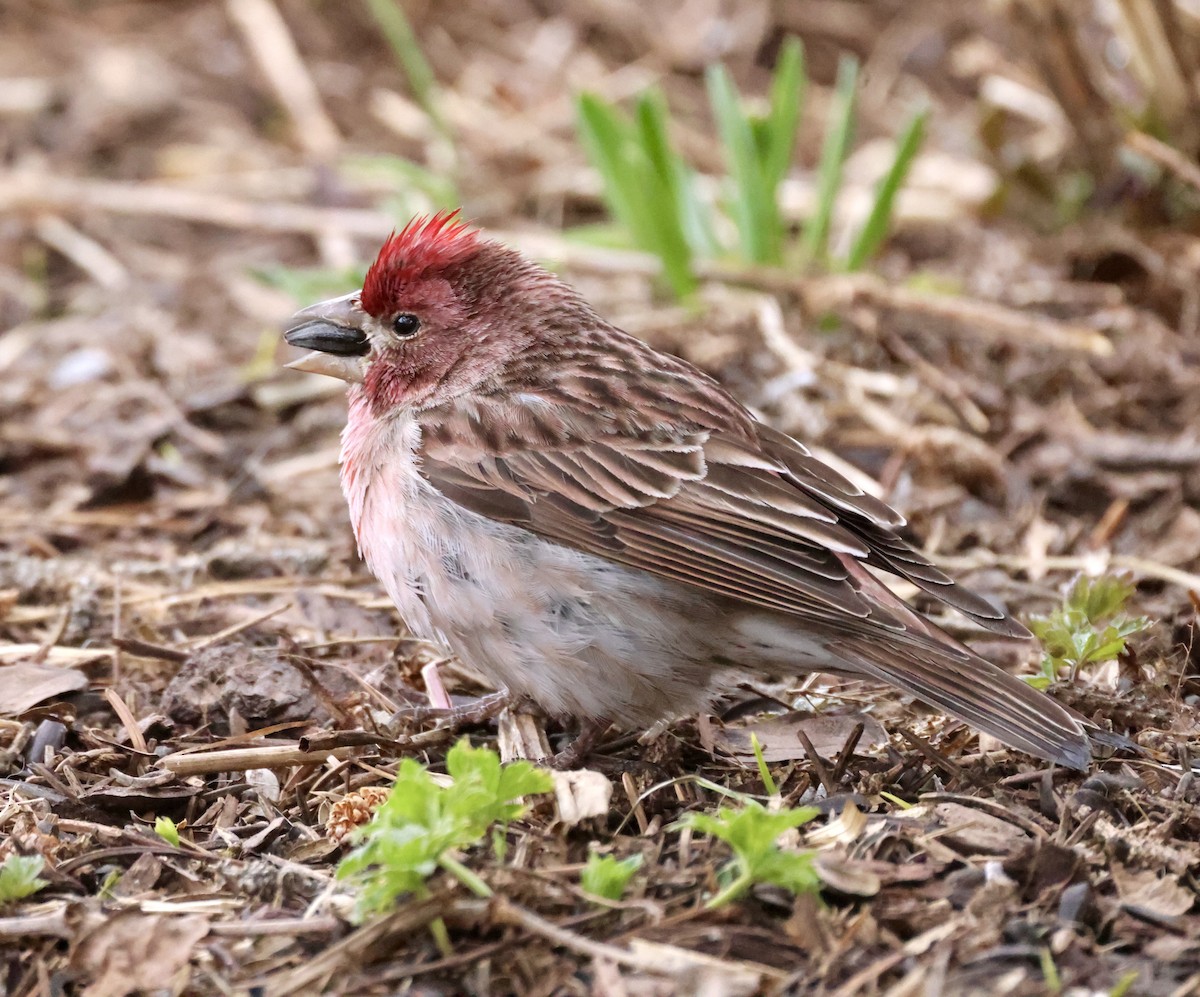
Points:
(1168, 157)
(950, 389)
(1138, 565)
(966, 316)
(931, 754)
(117, 660)
(349, 950)
(65, 921)
(818, 763)
(60, 193)
(847, 752)
(321, 924)
(266, 34)
(84, 251)
(128, 720)
(505, 911)
(241, 759)
(326, 741)
(144, 649)
(236, 628)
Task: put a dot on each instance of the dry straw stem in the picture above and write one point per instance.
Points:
(266, 34)
(242, 759)
(966, 317)
(352, 950)
(661, 960)
(1140, 566)
(1166, 156)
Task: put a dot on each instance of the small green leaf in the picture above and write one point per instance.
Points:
(165, 828)
(751, 832)
(19, 877)
(606, 876)
(421, 822)
(1089, 628)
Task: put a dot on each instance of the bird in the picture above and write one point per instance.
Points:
(602, 528)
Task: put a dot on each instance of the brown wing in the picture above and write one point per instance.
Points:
(737, 509)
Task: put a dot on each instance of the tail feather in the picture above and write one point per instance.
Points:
(975, 691)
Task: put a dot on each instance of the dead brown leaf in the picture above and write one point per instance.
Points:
(1145, 890)
(23, 685)
(133, 951)
(777, 735)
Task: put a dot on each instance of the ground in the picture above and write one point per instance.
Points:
(186, 631)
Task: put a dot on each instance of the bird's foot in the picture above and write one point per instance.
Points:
(576, 753)
(470, 714)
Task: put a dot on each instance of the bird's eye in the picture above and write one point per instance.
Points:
(405, 325)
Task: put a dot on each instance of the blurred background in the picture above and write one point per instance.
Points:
(951, 246)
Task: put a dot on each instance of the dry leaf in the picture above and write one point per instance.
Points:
(24, 685)
(133, 951)
(777, 736)
(976, 832)
(848, 826)
(847, 876)
(1144, 889)
(581, 793)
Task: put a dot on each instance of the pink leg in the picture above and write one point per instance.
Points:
(439, 699)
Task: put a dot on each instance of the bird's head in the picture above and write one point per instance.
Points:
(441, 312)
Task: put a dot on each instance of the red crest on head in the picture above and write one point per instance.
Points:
(425, 243)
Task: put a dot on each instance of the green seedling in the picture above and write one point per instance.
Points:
(166, 829)
(1089, 628)
(607, 876)
(764, 773)
(753, 832)
(395, 26)
(833, 160)
(422, 823)
(875, 229)
(19, 877)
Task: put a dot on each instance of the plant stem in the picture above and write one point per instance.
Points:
(730, 893)
(465, 876)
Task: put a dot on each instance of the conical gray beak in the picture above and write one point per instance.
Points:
(333, 331)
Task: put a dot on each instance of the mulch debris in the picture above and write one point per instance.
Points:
(186, 631)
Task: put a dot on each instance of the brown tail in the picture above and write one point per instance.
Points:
(975, 691)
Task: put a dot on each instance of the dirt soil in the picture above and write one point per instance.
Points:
(187, 632)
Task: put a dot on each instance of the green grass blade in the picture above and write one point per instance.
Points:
(691, 215)
(875, 228)
(604, 134)
(833, 158)
(638, 196)
(661, 196)
(394, 24)
(783, 120)
(752, 201)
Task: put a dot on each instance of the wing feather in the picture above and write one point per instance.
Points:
(698, 495)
